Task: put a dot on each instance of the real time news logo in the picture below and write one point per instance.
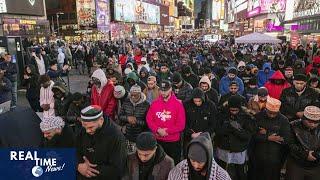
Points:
(37, 170)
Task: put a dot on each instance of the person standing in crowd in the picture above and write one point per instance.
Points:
(150, 161)
(315, 64)
(181, 88)
(234, 129)
(269, 148)
(73, 118)
(227, 79)
(265, 74)
(56, 134)
(296, 98)
(61, 58)
(288, 74)
(314, 83)
(205, 85)
(152, 90)
(101, 148)
(133, 116)
(46, 96)
(11, 72)
(121, 95)
(31, 82)
(189, 76)
(5, 88)
(276, 84)
(233, 91)
(251, 89)
(213, 78)
(200, 163)
(304, 144)
(54, 73)
(68, 55)
(144, 74)
(164, 73)
(102, 93)
(258, 103)
(41, 64)
(62, 99)
(201, 115)
(132, 79)
(166, 119)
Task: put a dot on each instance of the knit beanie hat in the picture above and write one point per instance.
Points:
(135, 89)
(119, 92)
(176, 78)
(146, 141)
(233, 71)
(312, 113)
(198, 93)
(53, 122)
(197, 153)
(262, 92)
(91, 113)
(234, 101)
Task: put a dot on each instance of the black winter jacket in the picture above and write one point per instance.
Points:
(265, 150)
(106, 148)
(230, 138)
(293, 103)
(200, 119)
(302, 140)
(138, 110)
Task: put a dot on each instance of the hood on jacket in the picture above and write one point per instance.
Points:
(198, 93)
(60, 86)
(99, 74)
(142, 99)
(203, 140)
(60, 50)
(132, 75)
(144, 69)
(205, 79)
(277, 76)
(300, 63)
(266, 65)
(316, 60)
(241, 63)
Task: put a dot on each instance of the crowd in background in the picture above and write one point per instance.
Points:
(230, 111)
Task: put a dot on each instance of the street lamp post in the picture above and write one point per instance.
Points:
(57, 14)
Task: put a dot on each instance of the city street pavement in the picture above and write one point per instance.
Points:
(78, 83)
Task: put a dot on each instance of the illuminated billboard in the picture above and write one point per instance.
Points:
(136, 11)
(86, 12)
(103, 15)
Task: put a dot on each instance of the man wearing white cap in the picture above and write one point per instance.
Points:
(304, 143)
(56, 133)
(269, 142)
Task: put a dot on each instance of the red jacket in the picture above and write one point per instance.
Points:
(315, 62)
(123, 61)
(275, 90)
(137, 59)
(105, 99)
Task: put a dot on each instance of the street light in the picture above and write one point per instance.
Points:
(57, 14)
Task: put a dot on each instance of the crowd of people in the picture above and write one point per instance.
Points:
(178, 109)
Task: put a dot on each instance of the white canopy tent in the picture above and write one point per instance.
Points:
(257, 38)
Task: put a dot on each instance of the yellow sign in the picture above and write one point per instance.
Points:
(32, 22)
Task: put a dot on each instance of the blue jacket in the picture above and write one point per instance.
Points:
(225, 82)
(262, 76)
(5, 90)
